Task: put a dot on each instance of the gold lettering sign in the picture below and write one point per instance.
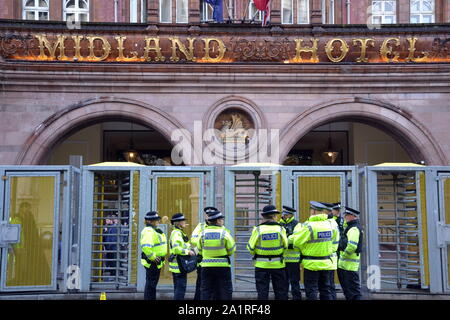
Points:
(44, 43)
(177, 43)
(299, 49)
(364, 43)
(386, 51)
(222, 49)
(77, 40)
(412, 49)
(156, 48)
(105, 46)
(133, 48)
(121, 57)
(329, 50)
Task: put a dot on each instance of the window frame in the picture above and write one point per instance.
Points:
(307, 12)
(170, 12)
(292, 11)
(176, 11)
(421, 13)
(77, 10)
(258, 17)
(205, 12)
(36, 9)
(383, 13)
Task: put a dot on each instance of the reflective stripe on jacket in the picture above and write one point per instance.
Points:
(348, 258)
(290, 255)
(216, 245)
(267, 244)
(153, 244)
(318, 240)
(178, 246)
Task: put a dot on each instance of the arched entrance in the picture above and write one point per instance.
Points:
(90, 112)
(413, 137)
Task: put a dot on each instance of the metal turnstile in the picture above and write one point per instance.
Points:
(399, 232)
(111, 238)
(253, 192)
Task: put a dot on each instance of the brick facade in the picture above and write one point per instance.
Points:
(104, 11)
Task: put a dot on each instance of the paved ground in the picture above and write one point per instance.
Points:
(167, 295)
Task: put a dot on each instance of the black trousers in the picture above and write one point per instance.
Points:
(151, 281)
(279, 283)
(198, 284)
(179, 285)
(333, 287)
(318, 281)
(216, 283)
(293, 276)
(350, 284)
(111, 265)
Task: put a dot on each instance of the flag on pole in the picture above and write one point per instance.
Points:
(264, 6)
(217, 9)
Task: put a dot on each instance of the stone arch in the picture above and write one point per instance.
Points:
(91, 111)
(408, 131)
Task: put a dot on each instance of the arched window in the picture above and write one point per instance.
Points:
(35, 10)
(76, 10)
(384, 12)
(422, 11)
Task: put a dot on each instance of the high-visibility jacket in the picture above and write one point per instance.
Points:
(216, 245)
(153, 244)
(318, 240)
(267, 245)
(290, 254)
(348, 256)
(179, 245)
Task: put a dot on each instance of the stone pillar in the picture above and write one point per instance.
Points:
(316, 11)
(275, 12)
(194, 11)
(56, 10)
(403, 11)
(152, 11)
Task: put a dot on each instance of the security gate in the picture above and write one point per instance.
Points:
(116, 199)
(247, 190)
(397, 226)
(35, 207)
(443, 231)
(181, 192)
(324, 184)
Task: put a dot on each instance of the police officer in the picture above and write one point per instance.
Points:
(317, 241)
(349, 255)
(179, 245)
(267, 245)
(331, 212)
(291, 256)
(154, 249)
(337, 216)
(195, 236)
(216, 245)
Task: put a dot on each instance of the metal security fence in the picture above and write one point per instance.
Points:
(39, 226)
(80, 227)
(115, 200)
